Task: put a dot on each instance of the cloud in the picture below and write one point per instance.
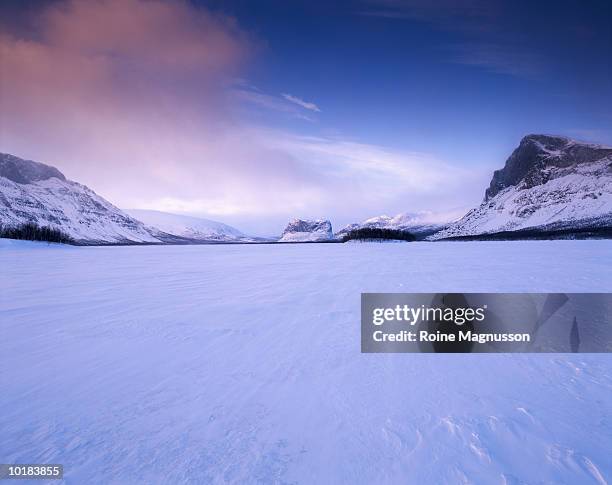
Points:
(467, 15)
(302, 103)
(134, 97)
(498, 58)
(127, 68)
(353, 181)
(274, 103)
(489, 35)
(137, 99)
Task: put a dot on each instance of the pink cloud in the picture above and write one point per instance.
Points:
(137, 99)
(135, 88)
(117, 51)
(159, 33)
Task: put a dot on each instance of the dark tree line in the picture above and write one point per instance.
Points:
(33, 232)
(365, 233)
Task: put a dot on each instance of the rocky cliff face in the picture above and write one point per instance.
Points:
(548, 184)
(536, 158)
(26, 171)
(299, 230)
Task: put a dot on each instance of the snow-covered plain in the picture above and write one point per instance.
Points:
(242, 364)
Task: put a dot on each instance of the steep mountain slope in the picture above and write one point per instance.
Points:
(419, 224)
(189, 227)
(550, 185)
(299, 230)
(35, 192)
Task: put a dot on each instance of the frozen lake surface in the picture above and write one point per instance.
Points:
(242, 364)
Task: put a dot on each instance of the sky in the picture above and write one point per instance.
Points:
(254, 113)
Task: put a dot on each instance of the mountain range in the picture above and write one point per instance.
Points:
(191, 228)
(419, 224)
(549, 187)
(32, 192)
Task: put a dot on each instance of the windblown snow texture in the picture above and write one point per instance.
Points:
(242, 364)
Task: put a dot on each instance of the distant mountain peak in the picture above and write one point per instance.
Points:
(554, 141)
(528, 162)
(32, 192)
(189, 227)
(35, 193)
(26, 171)
(306, 230)
(419, 224)
(548, 184)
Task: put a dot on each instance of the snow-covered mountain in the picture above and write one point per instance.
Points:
(550, 185)
(37, 193)
(299, 230)
(189, 227)
(419, 224)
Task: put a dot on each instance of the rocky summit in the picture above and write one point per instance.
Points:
(299, 230)
(550, 186)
